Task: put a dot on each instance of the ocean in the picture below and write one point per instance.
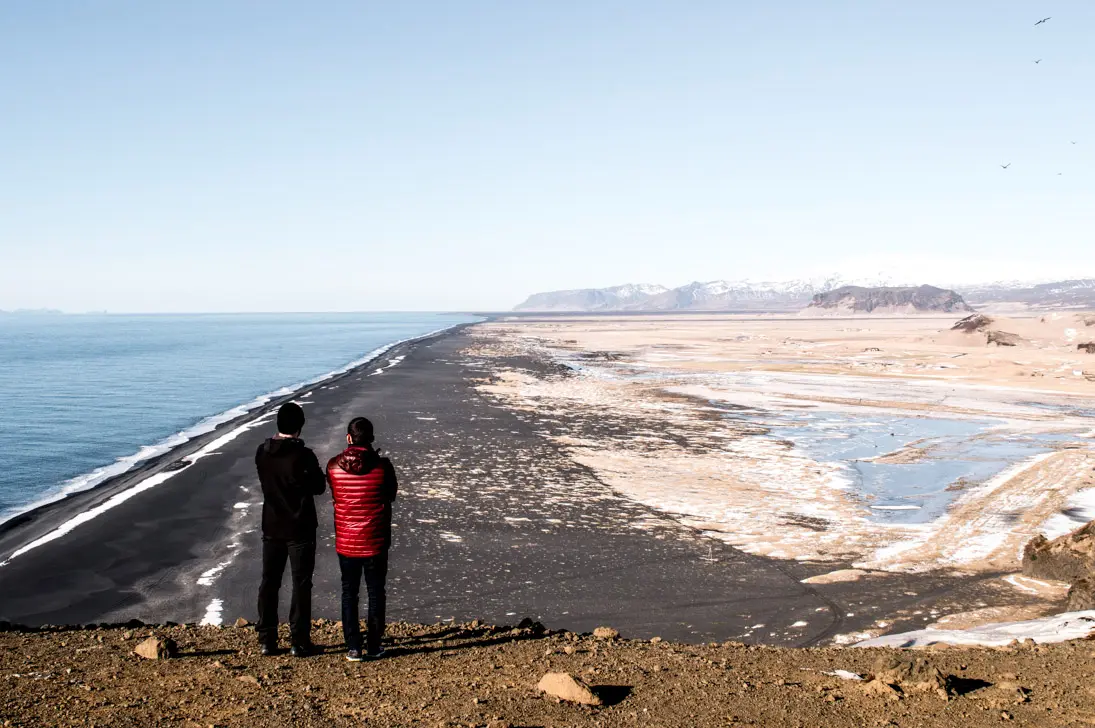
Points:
(87, 397)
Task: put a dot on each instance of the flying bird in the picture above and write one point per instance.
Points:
(1005, 166)
(1038, 61)
(1043, 20)
(1073, 142)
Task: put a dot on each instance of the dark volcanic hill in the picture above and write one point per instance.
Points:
(857, 299)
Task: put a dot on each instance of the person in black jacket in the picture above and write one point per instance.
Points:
(291, 477)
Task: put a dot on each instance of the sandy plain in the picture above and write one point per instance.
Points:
(876, 444)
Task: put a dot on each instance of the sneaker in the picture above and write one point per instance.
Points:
(375, 655)
(354, 656)
(302, 650)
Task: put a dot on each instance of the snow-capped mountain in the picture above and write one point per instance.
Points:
(633, 291)
(616, 298)
(697, 296)
(1076, 293)
(746, 295)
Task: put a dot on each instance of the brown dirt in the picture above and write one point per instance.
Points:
(469, 675)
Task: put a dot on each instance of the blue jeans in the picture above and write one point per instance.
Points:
(375, 570)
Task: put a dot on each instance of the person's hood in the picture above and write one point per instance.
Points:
(282, 445)
(358, 460)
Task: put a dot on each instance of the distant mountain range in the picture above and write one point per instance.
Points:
(1075, 293)
(31, 312)
(616, 298)
(792, 295)
(710, 296)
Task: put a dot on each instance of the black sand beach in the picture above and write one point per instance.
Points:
(493, 522)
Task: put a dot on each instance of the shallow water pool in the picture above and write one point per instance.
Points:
(951, 456)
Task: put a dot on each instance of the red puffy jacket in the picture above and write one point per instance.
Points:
(363, 487)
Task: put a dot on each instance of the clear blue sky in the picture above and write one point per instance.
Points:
(231, 156)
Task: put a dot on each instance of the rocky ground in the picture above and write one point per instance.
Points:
(475, 675)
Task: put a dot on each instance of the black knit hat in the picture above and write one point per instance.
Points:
(290, 418)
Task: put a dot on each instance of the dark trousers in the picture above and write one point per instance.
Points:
(301, 556)
(375, 570)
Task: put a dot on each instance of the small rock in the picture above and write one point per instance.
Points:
(1014, 690)
(569, 649)
(606, 633)
(911, 674)
(241, 623)
(127, 635)
(155, 648)
(250, 679)
(970, 324)
(881, 689)
(1003, 338)
(499, 724)
(655, 640)
(567, 687)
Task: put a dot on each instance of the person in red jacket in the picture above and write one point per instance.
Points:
(363, 486)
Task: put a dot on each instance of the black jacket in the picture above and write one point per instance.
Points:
(291, 477)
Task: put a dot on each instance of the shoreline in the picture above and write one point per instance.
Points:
(497, 518)
(493, 521)
(39, 521)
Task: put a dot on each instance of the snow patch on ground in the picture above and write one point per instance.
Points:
(1078, 510)
(214, 613)
(852, 638)
(208, 577)
(1058, 628)
(393, 362)
(844, 675)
